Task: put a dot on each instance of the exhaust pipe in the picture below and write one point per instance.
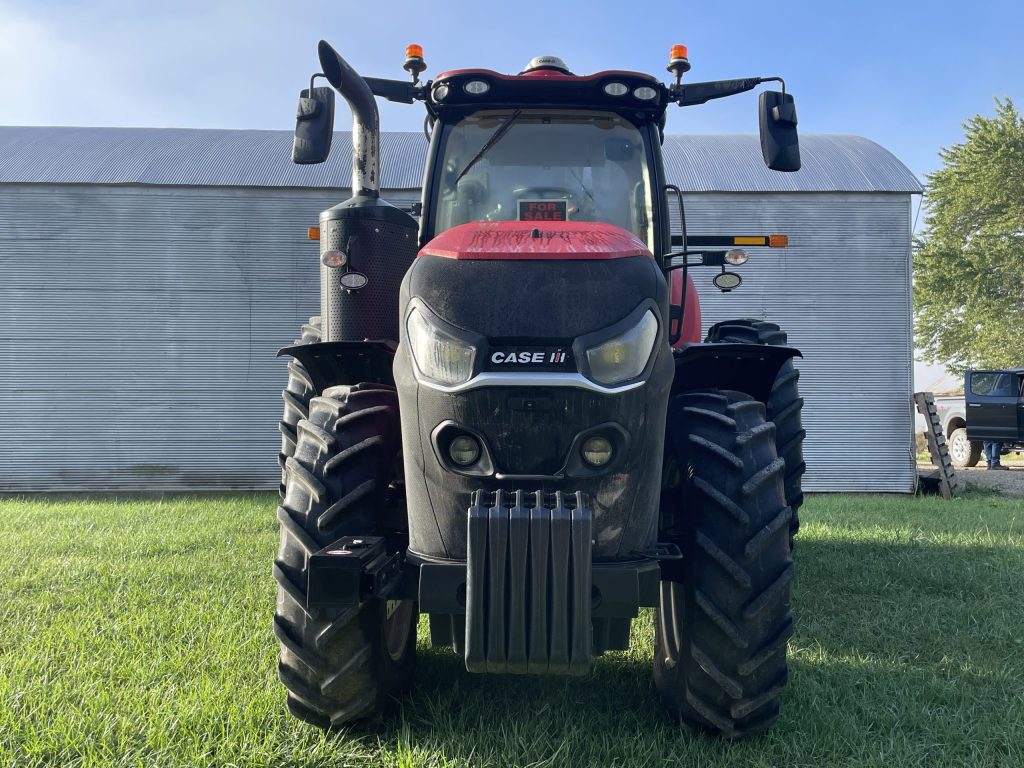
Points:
(378, 240)
(365, 120)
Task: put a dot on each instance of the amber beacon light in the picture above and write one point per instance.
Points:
(678, 61)
(414, 63)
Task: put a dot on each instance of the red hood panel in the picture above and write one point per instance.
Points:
(517, 240)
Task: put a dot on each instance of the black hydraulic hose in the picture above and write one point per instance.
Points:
(365, 119)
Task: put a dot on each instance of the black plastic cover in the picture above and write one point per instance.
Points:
(749, 368)
(336, 572)
(344, 362)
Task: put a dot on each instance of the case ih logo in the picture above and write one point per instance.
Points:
(533, 357)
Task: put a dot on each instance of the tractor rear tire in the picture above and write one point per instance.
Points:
(963, 452)
(340, 666)
(723, 622)
(784, 404)
(296, 396)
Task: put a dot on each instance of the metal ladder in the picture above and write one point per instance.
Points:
(949, 483)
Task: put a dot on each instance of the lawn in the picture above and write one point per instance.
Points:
(137, 632)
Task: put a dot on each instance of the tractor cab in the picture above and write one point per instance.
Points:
(545, 146)
(542, 165)
(504, 416)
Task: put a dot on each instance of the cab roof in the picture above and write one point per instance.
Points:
(547, 87)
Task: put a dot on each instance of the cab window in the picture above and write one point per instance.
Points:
(538, 165)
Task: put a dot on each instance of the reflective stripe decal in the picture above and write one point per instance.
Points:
(528, 379)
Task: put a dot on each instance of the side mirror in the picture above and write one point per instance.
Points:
(780, 144)
(314, 126)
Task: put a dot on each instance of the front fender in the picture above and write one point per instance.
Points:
(748, 368)
(330, 363)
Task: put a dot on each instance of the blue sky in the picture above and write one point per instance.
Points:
(903, 73)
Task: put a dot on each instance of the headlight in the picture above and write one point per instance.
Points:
(625, 356)
(438, 355)
(464, 450)
(597, 451)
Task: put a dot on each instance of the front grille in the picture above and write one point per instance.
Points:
(530, 429)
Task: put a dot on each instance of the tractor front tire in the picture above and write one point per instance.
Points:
(784, 405)
(723, 622)
(963, 452)
(296, 396)
(340, 666)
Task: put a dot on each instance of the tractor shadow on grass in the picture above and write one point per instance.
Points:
(902, 646)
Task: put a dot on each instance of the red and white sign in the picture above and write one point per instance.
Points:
(543, 210)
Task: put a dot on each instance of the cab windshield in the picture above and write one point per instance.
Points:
(539, 165)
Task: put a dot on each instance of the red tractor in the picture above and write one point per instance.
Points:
(504, 416)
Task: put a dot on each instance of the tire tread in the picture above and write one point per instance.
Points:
(332, 661)
(728, 607)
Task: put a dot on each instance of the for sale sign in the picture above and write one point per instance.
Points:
(543, 210)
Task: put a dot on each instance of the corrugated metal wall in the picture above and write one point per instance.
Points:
(842, 291)
(138, 328)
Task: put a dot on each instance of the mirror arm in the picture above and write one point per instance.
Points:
(397, 90)
(312, 80)
(692, 94)
(706, 259)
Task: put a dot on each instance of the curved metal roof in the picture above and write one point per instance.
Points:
(248, 158)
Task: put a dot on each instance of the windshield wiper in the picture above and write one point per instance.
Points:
(500, 131)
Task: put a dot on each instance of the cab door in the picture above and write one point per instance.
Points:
(992, 400)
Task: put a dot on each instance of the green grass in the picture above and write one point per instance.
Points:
(137, 632)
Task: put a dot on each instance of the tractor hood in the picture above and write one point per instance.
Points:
(529, 299)
(535, 241)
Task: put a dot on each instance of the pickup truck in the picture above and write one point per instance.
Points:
(992, 409)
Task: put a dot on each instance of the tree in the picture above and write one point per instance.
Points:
(969, 259)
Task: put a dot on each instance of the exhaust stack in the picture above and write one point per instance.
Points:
(371, 242)
(365, 120)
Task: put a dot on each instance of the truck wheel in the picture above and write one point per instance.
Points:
(963, 452)
(783, 408)
(296, 395)
(723, 620)
(340, 665)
